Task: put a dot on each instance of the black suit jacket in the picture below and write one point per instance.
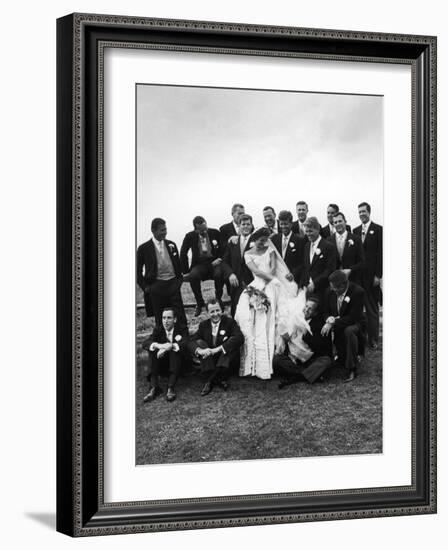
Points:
(227, 230)
(325, 232)
(191, 242)
(147, 262)
(352, 256)
(352, 308)
(229, 335)
(297, 230)
(158, 336)
(319, 345)
(373, 251)
(234, 263)
(294, 253)
(322, 266)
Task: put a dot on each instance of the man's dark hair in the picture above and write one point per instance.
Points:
(198, 220)
(340, 214)
(366, 204)
(156, 223)
(338, 277)
(268, 208)
(262, 232)
(235, 206)
(312, 221)
(302, 202)
(172, 309)
(285, 216)
(334, 206)
(212, 302)
(246, 217)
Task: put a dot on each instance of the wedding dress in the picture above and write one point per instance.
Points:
(268, 311)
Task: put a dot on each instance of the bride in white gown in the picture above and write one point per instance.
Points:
(269, 311)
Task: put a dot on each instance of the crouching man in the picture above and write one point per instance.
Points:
(167, 347)
(217, 344)
(319, 344)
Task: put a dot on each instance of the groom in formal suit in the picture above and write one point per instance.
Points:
(290, 246)
(319, 260)
(159, 273)
(371, 235)
(350, 252)
(217, 344)
(234, 266)
(344, 316)
(206, 251)
(329, 230)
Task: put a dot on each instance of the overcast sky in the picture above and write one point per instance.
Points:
(199, 150)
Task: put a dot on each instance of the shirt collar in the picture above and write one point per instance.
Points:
(315, 244)
(366, 225)
(343, 236)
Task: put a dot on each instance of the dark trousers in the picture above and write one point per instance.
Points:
(165, 294)
(169, 364)
(204, 272)
(372, 298)
(347, 342)
(235, 293)
(311, 370)
(217, 366)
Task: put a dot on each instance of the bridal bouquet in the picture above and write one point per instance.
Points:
(257, 299)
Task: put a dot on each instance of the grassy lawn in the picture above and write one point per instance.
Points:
(255, 419)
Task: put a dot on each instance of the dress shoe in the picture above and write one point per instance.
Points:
(206, 389)
(197, 311)
(152, 394)
(170, 394)
(351, 376)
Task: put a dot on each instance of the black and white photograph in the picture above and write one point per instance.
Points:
(259, 254)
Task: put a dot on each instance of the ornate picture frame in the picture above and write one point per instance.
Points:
(81, 507)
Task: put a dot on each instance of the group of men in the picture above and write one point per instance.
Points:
(340, 269)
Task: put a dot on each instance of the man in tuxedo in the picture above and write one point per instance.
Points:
(159, 273)
(350, 252)
(289, 246)
(217, 344)
(206, 251)
(269, 219)
(232, 228)
(371, 235)
(234, 266)
(320, 345)
(167, 347)
(319, 260)
(298, 227)
(330, 229)
(344, 317)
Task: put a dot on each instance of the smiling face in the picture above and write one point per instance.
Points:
(302, 212)
(339, 223)
(168, 319)
(285, 226)
(310, 309)
(269, 217)
(261, 243)
(160, 232)
(237, 213)
(215, 312)
(312, 232)
(245, 228)
(364, 214)
(330, 214)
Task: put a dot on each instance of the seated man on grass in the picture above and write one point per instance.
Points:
(320, 345)
(217, 344)
(167, 347)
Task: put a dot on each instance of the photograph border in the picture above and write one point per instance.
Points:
(81, 40)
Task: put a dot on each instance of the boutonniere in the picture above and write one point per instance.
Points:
(214, 242)
(350, 242)
(178, 337)
(371, 231)
(347, 299)
(291, 245)
(174, 254)
(317, 251)
(221, 332)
